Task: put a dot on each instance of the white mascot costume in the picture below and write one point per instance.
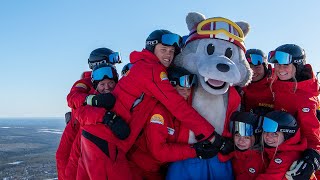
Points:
(215, 52)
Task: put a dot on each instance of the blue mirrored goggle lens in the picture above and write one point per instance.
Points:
(279, 57)
(115, 58)
(187, 80)
(171, 39)
(255, 59)
(269, 125)
(243, 129)
(99, 74)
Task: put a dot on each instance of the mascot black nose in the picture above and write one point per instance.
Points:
(223, 67)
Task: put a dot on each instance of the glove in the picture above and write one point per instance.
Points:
(106, 101)
(225, 145)
(205, 149)
(67, 117)
(117, 125)
(303, 168)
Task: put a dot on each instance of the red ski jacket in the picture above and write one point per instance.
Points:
(247, 165)
(281, 158)
(302, 104)
(257, 94)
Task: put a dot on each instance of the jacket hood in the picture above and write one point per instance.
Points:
(295, 143)
(308, 86)
(144, 55)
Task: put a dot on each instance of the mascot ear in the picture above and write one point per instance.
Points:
(244, 26)
(194, 18)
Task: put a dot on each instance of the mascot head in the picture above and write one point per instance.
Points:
(215, 51)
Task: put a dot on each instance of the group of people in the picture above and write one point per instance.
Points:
(135, 127)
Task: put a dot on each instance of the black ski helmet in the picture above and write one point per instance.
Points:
(156, 37)
(247, 118)
(125, 69)
(286, 123)
(175, 72)
(103, 71)
(99, 56)
(298, 55)
(258, 52)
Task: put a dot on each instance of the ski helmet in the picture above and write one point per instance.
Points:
(103, 71)
(103, 55)
(126, 69)
(280, 121)
(246, 124)
(165, 37)
(290, 53)
(256, 57)
(180, 76)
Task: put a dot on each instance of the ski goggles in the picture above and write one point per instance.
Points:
(255, 59)
(101, 73)
(112, 59)
(168, 40)
(185, 81)
(269, 125)
(218, 28)
(126, 68)
(279, 57)
(272, 126)
(242, 128)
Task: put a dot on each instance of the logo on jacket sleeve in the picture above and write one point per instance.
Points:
(163, 76)
(278, 160)
(157, 119)
(252, 170)
(305, 110)
(170, 130)
(81, 85)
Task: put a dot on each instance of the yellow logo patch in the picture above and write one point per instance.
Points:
(81, 85)
(157, 118)
(163, 76)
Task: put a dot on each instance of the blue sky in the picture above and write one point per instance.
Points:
(44, 45)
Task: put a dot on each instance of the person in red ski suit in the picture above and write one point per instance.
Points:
(102, 83)
(247, 160)
(296, 91)
(257, 96)
(161, 140)
(283, 144)
(79, 91)
(137, 94)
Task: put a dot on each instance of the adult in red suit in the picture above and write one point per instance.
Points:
(296, 91)
(257, 96)
(78, 93)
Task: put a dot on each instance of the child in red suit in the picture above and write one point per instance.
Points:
(283, 143)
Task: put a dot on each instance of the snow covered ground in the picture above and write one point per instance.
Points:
(27, 148)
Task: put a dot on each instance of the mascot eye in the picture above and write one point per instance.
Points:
(210, 49)
(228, 53)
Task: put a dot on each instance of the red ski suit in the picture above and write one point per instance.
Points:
(147, 79)
(302, 104)
(281, 158)
(257, 94)
(72, 166)
(247, 165)
(75, 99)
